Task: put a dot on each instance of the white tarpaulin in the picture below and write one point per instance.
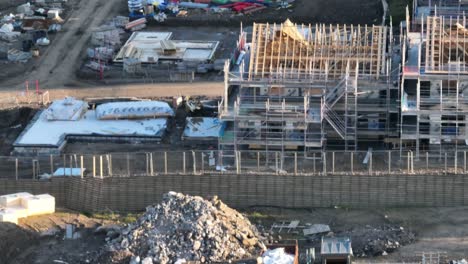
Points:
(134, 110)
(202, 127)
(68, 109)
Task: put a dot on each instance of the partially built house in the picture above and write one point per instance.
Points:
(434, 111)
(305, 87)
(444, 8)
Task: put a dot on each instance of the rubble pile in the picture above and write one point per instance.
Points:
(376, 241)
(189, 228)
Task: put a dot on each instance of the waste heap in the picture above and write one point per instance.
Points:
(184, 227)
(376, 241)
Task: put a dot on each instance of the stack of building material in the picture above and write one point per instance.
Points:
(101, 53)
(18, 56)
(136, 24)
(131, 65)
(120, 21)
(135, 5)
(106, 36)
(23, 204)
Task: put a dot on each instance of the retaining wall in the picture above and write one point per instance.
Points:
(129, 194)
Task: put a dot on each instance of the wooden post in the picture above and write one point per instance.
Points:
(333, 162)
(445, 163)
(324, 154)
(389, 162)
(202, 162)
(412, 162)
(427, 160)
(456, 159)
(240, 161)
(313, 158)
(81, 166)
(100, 167)
(110, 166)
(94, 166)
(16, 168)
(147, 163)
(128, 164)
(183, 161)
(352, 162)
(71, 165)
(464, 161)
(194, 163)
(165, 162)
(408, 168)
(295, 163)
(370, 163)
(220, 160)
(258, 161)
(276, 162)
(151, 164)
(64, 164)
(107, 161)
(51, 164)
(33, 169)
(236, 155)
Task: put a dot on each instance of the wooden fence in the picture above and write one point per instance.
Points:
(131, 194)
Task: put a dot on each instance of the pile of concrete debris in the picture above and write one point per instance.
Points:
(188, 228)
(376, 241)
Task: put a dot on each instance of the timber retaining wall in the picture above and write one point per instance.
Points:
(130, 194)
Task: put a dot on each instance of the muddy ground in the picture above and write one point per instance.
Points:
(12, 123)
(59, 63)
(40, 239)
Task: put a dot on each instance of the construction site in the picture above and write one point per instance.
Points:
(215, 131)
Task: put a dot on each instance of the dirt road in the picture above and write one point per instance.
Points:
(157, 90)
(57, 66)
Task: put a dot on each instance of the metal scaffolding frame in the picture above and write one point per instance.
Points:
(300, 86)
(434, 108)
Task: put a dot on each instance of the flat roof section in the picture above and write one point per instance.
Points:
(52, 133)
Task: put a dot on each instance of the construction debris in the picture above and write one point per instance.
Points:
(377, 241)
(141, 8)
(277, 256)
(316, 229)
(190, 228)
(29, 27)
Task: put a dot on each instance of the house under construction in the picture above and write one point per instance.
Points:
(434, 87)
(305, 87)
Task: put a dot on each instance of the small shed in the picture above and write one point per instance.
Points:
(336, 250)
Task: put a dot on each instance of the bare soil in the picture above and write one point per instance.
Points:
(40, 239)
(48, 244)
(436, 229)
(12, 123)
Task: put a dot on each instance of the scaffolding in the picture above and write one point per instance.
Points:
(434, 109)
(301, 87)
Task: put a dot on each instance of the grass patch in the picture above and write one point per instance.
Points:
(121, 218)
(258, 215)
(397, 10)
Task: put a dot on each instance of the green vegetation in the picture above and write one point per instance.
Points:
(258, 215)
(397, 9)
(111, 216)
